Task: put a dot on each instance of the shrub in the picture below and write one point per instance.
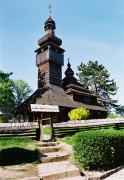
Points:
(100, 149)
(112, 116)
(3, 119)
(79, 114)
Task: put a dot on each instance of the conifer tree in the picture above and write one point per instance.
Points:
(96, 77)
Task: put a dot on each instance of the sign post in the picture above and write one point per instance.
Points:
(44, 108)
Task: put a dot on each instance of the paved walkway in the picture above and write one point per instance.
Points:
(117, 176)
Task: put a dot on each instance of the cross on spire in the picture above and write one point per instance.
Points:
(69, 65)
(68, 60)
(50, 9)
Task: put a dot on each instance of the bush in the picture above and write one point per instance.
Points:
(100, 149)
(79, 114)
(3, 119)
(112, 116)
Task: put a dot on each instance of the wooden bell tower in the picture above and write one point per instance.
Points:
(50, 56)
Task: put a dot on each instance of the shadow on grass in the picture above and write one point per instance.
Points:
(15, 156)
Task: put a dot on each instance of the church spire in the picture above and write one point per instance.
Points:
(69, 76)
(50, 25)
(50, 56)
(69, 72)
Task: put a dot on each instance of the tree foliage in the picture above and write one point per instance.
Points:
(22, 90)
(3, 119)
(6, 91)
(12, 92)
(96, 77)
(120, 110)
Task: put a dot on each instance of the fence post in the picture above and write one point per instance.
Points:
(117, 126)
(38, 134)
(52, 129)
(38, 130)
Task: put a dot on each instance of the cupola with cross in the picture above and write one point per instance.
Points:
(69, 76)
(50, 56)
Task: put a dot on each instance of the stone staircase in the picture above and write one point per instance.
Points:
(55, 164)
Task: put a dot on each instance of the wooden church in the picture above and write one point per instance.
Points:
(65, 93)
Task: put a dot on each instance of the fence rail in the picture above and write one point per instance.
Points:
(71, 127)
(88, 122)
(18, 126)
(64, 128)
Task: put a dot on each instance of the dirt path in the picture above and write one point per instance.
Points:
(15, 172)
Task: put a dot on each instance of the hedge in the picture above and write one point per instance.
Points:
(100, 149)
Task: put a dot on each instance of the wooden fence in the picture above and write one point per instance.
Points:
(18, 126)
(59, 129)
(71, 127)
(25, 129)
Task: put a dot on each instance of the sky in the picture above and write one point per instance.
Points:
(90, 30)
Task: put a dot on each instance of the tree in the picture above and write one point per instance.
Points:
(22, 90)
(120, 110)
(7, 101)
(96, 77)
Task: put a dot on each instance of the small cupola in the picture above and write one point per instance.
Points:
(69, 76)
(69, 72)
(49, 24)
(49, 37)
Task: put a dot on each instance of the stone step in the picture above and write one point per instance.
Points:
(47, 144)
(75, 178)
(54, 157)
(57, 170)
(30, 178)
(49, 149)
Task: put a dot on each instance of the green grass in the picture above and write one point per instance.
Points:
(46, 130)
(112, 116)
(16, 142)
(67, 139)
(17, 151)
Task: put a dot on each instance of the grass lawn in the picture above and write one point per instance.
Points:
(47, 130)
(17, 151)
(16, 142)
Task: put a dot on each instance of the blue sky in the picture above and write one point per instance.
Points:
(90, 30)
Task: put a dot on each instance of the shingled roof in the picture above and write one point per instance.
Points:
(54, 95)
